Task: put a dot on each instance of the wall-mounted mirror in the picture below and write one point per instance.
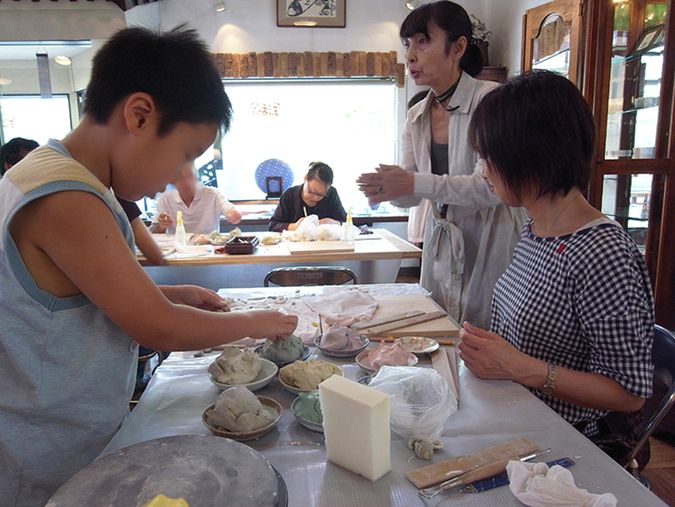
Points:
(551, 35)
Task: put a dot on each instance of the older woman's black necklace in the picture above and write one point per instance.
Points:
(446, 95)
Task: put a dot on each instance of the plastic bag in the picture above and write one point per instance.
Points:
(420, 401)
(311, 230)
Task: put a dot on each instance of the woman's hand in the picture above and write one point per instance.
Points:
(197, 297)
(389, 182)
(489, 356)
(294, 225)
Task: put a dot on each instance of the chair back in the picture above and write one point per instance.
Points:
(310, 275)
(663, 357)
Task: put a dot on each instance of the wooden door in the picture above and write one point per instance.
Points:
(552, 38)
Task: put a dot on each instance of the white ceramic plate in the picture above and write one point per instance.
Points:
(267, 372)
(295, 390)
(243, 436)
(305, 354)
(363, 362)
(340, 353)
(417, 344)
(310, 425)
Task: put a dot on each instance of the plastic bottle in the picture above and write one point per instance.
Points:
(180, 230)
(349, 228)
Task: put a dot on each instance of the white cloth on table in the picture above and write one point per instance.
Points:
(343, 307)
(537, 485)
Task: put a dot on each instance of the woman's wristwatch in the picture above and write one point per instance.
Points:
(549, 386)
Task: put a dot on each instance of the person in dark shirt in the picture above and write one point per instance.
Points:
(316, 196)
(142, 237)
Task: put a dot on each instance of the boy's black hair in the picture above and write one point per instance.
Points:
(537, 132)
(14, 150)
(454, 21)
(320, 171)
(174, 68)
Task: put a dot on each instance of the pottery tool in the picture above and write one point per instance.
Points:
(437, 473)
(359, 326)
(477, 473)
(409, 321)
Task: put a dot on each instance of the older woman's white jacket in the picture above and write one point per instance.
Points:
(467, 252)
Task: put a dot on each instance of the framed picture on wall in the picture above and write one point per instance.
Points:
(312, 13)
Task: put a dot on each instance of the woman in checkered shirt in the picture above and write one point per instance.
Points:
(572, 316)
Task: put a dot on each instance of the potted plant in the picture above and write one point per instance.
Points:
(482, 36)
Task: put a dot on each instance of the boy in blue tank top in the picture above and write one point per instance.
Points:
(71, 290)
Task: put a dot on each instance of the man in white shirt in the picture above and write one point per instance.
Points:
(201, 206)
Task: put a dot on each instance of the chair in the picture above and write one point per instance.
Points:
(663, 356)
(310, 275)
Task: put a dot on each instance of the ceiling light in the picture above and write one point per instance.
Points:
(4, 81)
(219, 6)
(411, 4)
(304, 23)
(62, 60)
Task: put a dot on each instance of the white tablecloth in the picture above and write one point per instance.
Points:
(490, 412)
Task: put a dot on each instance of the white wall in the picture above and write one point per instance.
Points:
(251, 25)
(505, 19)
(27, 20)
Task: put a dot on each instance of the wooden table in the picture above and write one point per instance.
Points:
(490, 412)
(376, 259)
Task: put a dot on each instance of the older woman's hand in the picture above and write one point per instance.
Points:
(389, 182)
(489, 356)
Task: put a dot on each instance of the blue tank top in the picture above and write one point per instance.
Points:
(66, 371)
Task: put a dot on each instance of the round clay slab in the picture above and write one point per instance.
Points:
(202, 469)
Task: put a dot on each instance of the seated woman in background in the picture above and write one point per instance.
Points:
(572, 316)
(201, 206)
(316, 196)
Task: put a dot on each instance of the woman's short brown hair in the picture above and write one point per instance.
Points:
(537, 132)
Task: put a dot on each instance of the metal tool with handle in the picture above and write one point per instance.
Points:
(477, 473)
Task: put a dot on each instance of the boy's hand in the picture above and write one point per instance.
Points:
(272, 324)
(197, 297)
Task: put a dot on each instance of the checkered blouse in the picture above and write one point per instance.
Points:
(584, 302)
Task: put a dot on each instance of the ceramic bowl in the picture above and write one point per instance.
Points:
(267, 372)
(245, 435)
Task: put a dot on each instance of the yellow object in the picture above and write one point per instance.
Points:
(349, 228)
(181, 237)
(165, 501)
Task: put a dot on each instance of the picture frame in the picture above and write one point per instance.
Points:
(312, 13)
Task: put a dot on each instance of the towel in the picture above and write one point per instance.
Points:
(343, 306)
(537, 485)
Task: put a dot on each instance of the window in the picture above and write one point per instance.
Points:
(351, 126)
(33, 117)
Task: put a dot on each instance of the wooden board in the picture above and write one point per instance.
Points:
(303, 247)
(438, 472)
(437, 328)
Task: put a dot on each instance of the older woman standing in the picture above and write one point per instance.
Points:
(572, 316)
(469, 234)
